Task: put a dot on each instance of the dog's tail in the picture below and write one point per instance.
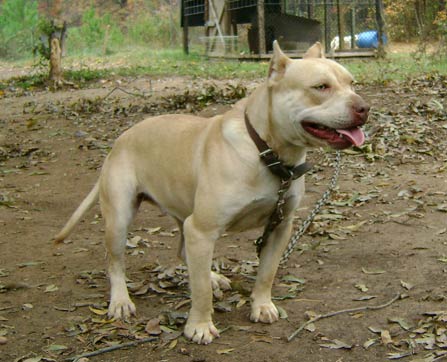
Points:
(85, 205)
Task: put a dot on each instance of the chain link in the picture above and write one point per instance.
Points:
(320, 203)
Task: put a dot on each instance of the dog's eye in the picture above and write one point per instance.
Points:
(321, 87)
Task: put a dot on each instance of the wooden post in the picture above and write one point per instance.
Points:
(310, 9)
(353, 26)
(234, 33)
(327, 26)
(185, 30)
(106, 40)
(261, 27)
(380, 28)
(207, 27)
(341, 40)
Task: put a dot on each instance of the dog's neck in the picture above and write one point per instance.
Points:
(260, 113)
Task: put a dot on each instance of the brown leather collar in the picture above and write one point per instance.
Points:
(272, 160)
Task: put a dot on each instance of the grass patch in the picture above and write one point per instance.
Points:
(395, 68)
(173, 62)
(137, 62)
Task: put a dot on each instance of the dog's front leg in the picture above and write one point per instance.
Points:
(262, 308)
(199, 253)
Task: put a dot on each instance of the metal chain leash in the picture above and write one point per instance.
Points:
(320, 203)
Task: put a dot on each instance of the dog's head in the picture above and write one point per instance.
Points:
(314, 102)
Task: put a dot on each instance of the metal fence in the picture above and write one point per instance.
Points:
(349, 27)
(345, 24)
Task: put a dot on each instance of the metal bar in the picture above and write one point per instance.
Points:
(341, 40)
(185, 30)
(261, 27)
(353, 27)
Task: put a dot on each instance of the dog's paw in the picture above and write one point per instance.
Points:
(218, 281)
(201, 333)
(121, 309)
(264, 312)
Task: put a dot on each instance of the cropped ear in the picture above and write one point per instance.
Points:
(315, 51)
(278, 63)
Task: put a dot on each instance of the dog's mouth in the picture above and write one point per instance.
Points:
(336, 138)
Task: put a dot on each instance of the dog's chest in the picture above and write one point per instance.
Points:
(253, 214)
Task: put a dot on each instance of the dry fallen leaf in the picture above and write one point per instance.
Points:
(406, 285)
(386, 337)
(264, 339)
(373, 272)
(365, 297)
(154, 230)
(173, 344)
(310, 327)
(282, 313)
(402, 323)
(51, 288)
(98, 311)
(369, 343)
(153, 327)
(362, 287)
(27, 306)
(225, 351)
(335, 344)
(398, 355)
(133, 242)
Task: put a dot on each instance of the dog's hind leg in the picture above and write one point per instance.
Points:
(118, 209)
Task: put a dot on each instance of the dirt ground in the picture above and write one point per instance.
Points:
(384, 234)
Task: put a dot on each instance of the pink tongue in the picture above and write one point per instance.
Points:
(355, 135)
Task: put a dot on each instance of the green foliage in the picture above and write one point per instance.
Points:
(101, 34)
(18, 22)
(154, 29)
(408, 20)
(97, 34)
(42, 47)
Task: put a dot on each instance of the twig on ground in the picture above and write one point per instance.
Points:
(7, 308)
(112, 348)
(440, 357)
(332, 314)
(127, 92)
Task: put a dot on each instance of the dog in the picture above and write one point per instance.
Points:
(347, 42)
(207, 174)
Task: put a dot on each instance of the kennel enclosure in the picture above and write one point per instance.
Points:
(247, 28)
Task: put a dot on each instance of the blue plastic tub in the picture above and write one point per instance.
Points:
(370, 39)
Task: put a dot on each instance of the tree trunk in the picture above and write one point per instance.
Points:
(419, 6)
(55, 62)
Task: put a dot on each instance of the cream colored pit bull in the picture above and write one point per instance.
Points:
(207, 174)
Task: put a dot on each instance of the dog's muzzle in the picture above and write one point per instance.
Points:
(341, 138)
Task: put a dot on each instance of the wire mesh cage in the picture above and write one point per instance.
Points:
(193, 7)
(346, 24)
(220, 45)
(231, 26)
